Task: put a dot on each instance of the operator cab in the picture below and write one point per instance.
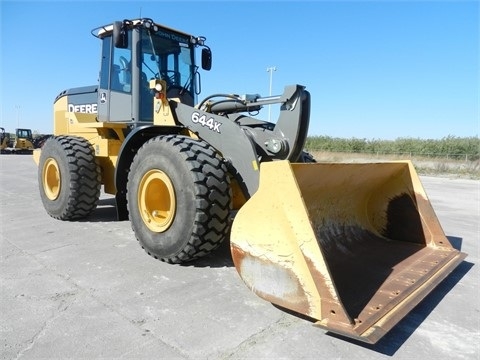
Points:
(137, 51)
(24, 134)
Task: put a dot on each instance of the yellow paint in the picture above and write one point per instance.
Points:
(51, 179)
(156, 200)
(105, 137)
(36, 156)
(282, 240)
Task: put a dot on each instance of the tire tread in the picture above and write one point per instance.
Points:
(212, 198)
(85, 177)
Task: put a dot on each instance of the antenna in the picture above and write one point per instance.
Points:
(270, 69)
(140, 12)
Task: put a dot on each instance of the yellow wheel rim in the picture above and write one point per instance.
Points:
(156, 200)
(51, 179)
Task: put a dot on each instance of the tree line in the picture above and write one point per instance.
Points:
(449, 147)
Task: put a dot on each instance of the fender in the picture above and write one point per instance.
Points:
(134, 141)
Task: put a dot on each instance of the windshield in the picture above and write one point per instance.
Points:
(24, 133)
(167, 55)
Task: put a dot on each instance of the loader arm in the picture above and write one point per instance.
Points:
(245, 142)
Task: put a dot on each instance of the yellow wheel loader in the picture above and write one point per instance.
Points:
(21, 144)
(354, 247)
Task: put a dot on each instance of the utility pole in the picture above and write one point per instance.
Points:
(18, 107)
(270, 69)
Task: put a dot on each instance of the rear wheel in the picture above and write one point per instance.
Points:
(179, 198)
(68, 177)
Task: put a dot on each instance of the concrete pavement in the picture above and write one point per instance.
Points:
(86, 290)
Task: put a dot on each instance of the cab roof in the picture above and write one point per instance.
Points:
(104, 30)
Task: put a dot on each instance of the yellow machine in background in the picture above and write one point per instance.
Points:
(23, 141)
(21, 144)
(4, 139)
(352, 246)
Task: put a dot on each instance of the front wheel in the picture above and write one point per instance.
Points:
(179, 198)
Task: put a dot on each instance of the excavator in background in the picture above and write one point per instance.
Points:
(353, 247)
(22, 143)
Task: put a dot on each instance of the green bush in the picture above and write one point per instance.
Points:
(448, 147)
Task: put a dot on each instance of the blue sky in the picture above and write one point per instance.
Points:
(375, 69)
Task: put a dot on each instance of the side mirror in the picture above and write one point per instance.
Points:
(120, 36)
(206, 59)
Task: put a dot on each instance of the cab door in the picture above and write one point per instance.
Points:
(115, 88)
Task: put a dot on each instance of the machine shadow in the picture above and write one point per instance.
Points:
(105, 211)
(220, 257)
(456, 242)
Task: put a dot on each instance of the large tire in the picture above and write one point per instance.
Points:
(69, 178)
(179, 198)
(306, 157)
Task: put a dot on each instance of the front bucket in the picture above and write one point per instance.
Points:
(353, 246)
